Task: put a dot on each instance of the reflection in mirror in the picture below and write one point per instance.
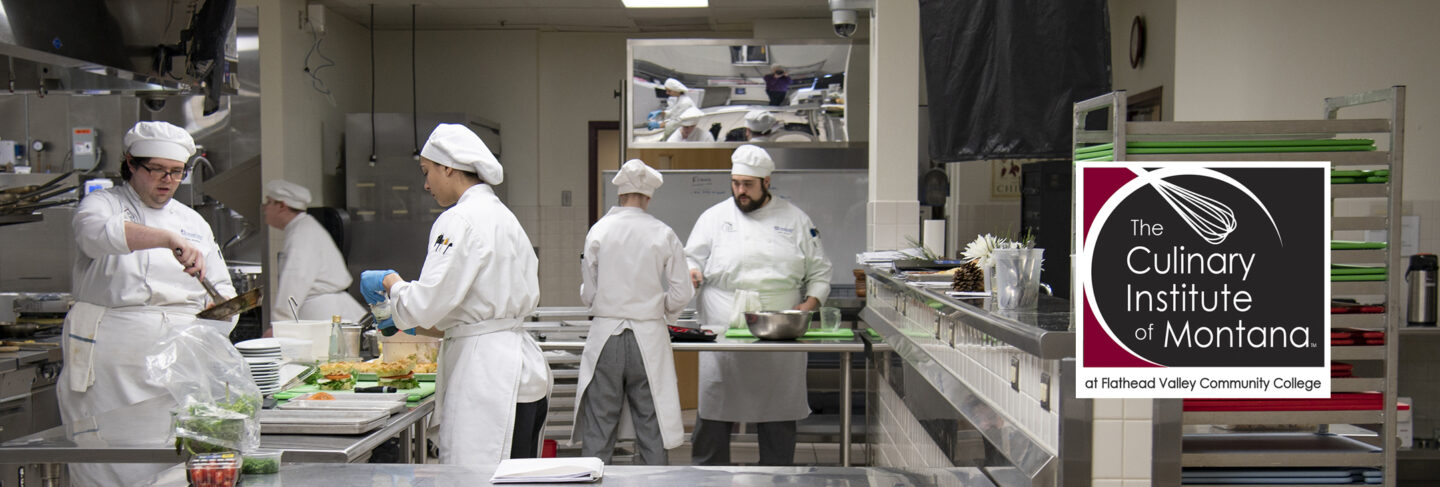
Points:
(738, 91)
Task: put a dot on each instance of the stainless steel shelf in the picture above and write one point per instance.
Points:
(1277, 450)
(1360, 190)
(1255, 128)
(1357, 384)
(1358, 256)
(1419, 330)
(1353, 288)
(1364, 321)
(1283, 417)
(1340, 223)
(1358, 352)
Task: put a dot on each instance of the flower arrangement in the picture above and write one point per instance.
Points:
(982, 249)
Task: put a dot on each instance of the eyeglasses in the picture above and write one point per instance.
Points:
(177, 174)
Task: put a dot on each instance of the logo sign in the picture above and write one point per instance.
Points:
(1203, 280)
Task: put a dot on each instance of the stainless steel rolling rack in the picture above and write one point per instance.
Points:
(1324, 446)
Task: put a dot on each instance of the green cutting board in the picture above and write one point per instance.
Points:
(1251, 143)
(1349, 245)
(840, 333)
(1365, 277)
(425, 390)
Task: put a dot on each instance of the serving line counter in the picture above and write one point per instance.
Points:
(991, 388)
(141, 433)
(568, 336)
(615, 476)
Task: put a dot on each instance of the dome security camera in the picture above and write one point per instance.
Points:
(844, 21)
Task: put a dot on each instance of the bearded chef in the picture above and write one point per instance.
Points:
(753, 247)
(140, 252)
(478, 282)
(635, 282)
(312, 271)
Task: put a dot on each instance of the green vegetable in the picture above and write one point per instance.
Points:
(222, 422)
(260, 466)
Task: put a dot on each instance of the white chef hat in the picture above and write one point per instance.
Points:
(750, 160)
(159, 139)
(456, 146)
(636, 177)
(691, 117)
(293, 195)
(676, 85)
(759, 121)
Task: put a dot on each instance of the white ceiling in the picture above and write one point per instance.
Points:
(573, 15)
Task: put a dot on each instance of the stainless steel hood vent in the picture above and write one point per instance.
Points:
(139, 47)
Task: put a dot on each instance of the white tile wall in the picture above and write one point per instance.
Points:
(902, 441)
(1122, 425)
(560, 238)
(888, 223)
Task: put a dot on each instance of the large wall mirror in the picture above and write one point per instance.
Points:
(721, 93)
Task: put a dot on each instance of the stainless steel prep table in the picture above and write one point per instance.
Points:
(615, 476)
(138, 433)
(846, 346)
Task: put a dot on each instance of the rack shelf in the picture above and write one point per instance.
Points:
(1300, 450)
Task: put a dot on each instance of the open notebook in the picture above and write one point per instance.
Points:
(548, 470)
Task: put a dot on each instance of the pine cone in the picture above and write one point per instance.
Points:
(968, 279)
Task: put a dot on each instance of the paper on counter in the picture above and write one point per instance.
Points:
(548, 470)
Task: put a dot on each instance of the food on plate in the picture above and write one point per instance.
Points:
(400, 375)
(321, 396)
(426, 368)
(337, 376)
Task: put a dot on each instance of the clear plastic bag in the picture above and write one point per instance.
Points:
(217, 400)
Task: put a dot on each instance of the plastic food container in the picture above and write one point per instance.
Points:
(399, 346)
(260, 462)
(213, 469)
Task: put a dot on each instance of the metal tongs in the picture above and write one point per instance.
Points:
(224, 308)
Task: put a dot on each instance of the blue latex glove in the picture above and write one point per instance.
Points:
(388, 328)
(654, 115)
(372, 285)
(653, 125)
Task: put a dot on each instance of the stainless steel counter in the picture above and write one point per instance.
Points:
(568, 336)
(457, 475)
(141, 434)
(1047, 332)
(13, 360)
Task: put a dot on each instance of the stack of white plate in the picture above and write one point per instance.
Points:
(266, 372)
(263, 357)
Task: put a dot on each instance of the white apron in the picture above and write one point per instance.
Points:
(750, 387)
(105, 351)
(654, 340)
(476, 389)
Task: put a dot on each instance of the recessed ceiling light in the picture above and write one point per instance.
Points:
(665, 3)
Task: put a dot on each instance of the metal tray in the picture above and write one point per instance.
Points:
(359, 396)
(320, 422)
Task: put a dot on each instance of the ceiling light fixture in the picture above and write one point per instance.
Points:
(665, 3)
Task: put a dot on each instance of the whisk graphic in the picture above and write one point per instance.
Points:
(1211, 219)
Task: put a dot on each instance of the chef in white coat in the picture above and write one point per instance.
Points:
(134, 279)
(480, 279)
(678, 103)
(760, 246)
(760, 126)
(312, 272)
(635, 281)
(689, 128)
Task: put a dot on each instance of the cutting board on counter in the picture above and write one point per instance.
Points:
(424, 391)
(841, 333)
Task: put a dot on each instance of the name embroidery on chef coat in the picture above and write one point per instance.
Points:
(442, 245)
(191, 236)
(788, 232)
(129, 215)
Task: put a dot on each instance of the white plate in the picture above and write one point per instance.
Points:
(258, 344)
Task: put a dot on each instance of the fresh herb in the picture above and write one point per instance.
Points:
(260, 466)
(213, 428)
(925, 253)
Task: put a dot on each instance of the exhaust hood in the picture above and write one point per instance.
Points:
(146, 48)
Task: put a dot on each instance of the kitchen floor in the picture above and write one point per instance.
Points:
(743, 453)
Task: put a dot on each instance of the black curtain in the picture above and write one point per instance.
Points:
(1003, 75)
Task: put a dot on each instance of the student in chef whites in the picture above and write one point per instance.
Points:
(689, 129)
(753, 252)
(311, 268)
(478, 282)
(678, 103)
(635, 282)
(135, 277)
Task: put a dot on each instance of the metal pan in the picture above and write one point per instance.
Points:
(246, 301)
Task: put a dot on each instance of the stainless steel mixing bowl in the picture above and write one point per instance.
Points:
(778, 325)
